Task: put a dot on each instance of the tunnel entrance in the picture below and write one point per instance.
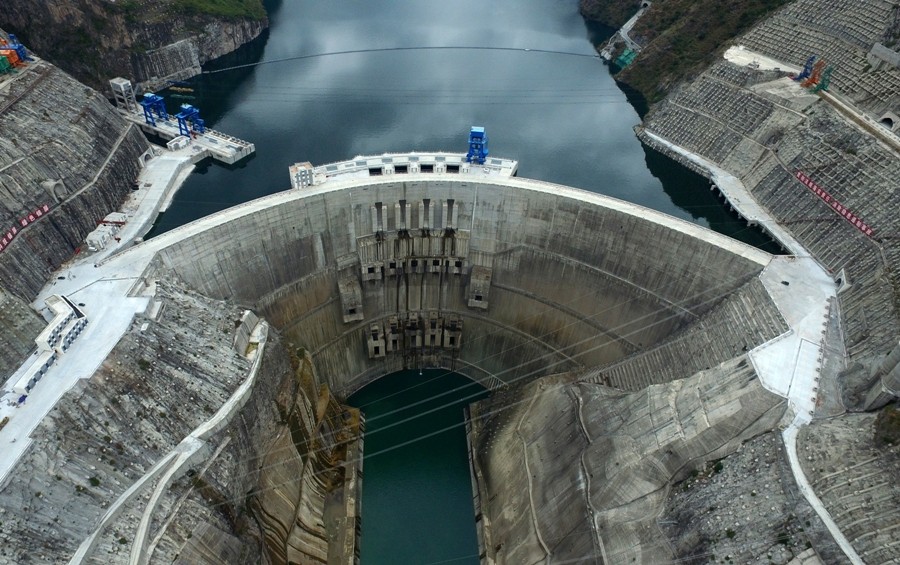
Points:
(417, 492)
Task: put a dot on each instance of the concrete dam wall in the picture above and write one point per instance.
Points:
(511, 282)
(498, 279)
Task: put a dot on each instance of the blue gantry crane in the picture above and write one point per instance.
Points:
(154, 103)
(190, 115)
(478, 145)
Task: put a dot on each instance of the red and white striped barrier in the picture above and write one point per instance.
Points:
(833, 202)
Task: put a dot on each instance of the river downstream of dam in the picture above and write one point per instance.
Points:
(402, 75)
(414, 438)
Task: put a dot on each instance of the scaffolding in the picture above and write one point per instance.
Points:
(123, 93)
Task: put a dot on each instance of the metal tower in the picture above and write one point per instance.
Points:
(123, 92)
(154, 103)
(807, 68)
(189, 114)
(478, 145)
(824, 81)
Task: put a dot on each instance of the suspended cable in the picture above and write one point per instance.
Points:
(391, 49)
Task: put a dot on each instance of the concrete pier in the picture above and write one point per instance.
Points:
(220, 146)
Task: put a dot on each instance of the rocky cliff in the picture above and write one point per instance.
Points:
(309, 475)
(148, 41)
(853, 463)
(265, 488)
(677, 37)
(67, 159)
(575, 471)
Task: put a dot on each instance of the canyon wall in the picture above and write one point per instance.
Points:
(67, 159)
(148, 42)
(577, 472)
(267, 488)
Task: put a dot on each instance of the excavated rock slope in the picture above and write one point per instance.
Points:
(580, 471)
(858, 480)
(61, 145)
(164, 378)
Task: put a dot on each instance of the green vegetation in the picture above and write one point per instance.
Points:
(681, 37)
(252, 9)
(887, 426)
(612, 14)
(95, 482)
(130, 9)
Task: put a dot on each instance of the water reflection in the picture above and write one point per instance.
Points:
(562, 117)
(691, 192)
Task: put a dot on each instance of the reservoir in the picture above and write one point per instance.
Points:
(561, 115)
(340, 79)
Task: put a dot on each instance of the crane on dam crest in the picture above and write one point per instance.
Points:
(190, 115)
(151, 116)
(153, 103)
(478, 145)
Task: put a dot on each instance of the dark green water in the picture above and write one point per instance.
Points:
(417, 493)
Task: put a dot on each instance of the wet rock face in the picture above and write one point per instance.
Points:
(96, 41)
(302, 473)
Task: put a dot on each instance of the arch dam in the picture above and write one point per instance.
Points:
(421, 260)
(500, 278)
(624, 350)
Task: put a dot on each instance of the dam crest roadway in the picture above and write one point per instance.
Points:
(423, 260)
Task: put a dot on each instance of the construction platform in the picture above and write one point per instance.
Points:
(220, 146)
(186, 127)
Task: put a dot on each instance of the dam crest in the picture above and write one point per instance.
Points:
(420, 260)
(375, 271)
